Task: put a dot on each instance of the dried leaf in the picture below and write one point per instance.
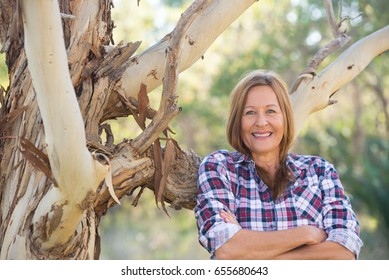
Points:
(143, 105)
(170, 153)
(175, 144)
(7, 120)
(137, 118)
(157, 154)
(168, 129)
(37, 158)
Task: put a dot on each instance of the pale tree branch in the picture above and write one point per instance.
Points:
(315, 94)
(77, 174)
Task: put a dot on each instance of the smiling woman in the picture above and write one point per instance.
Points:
(262, 202)
(261, 104)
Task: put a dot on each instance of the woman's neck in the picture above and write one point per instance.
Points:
(269, 164)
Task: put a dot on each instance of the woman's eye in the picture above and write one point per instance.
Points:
(249, 113)
(271, 111)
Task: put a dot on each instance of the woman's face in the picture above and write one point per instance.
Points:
(262, 123)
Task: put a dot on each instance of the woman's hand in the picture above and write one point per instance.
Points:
(315, 235)
(228, 217)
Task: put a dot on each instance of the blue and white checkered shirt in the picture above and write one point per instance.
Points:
(228, 180)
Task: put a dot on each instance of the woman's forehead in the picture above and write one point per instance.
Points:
(261, 96)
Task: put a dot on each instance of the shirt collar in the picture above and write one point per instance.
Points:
(239, 157)
(290, 162)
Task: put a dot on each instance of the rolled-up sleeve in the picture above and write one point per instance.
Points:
(340, 221)
(347, 238)
(214, 195)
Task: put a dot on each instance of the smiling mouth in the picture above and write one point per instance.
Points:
(262, 135)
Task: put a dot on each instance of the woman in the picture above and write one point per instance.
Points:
(262, 202)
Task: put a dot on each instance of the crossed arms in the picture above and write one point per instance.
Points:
(304, 242)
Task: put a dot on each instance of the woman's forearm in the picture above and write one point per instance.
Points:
(323, 251)
(248, 244)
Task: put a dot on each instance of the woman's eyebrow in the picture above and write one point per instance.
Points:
(269, 105)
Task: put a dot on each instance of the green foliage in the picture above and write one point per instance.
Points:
(373, 184)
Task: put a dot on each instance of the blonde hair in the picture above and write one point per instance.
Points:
(238, 99)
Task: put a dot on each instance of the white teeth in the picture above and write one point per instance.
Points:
(262, 134)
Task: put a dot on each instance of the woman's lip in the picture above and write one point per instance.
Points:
(262, 134)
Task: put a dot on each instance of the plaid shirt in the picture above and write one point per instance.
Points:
(228, 180)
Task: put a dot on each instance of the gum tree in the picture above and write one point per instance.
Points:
(60, 169)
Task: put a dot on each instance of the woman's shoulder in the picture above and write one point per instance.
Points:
(224, 156)
(305, 161)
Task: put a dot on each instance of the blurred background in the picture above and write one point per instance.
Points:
(279, 35)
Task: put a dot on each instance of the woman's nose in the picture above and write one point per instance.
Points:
(261, 120)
